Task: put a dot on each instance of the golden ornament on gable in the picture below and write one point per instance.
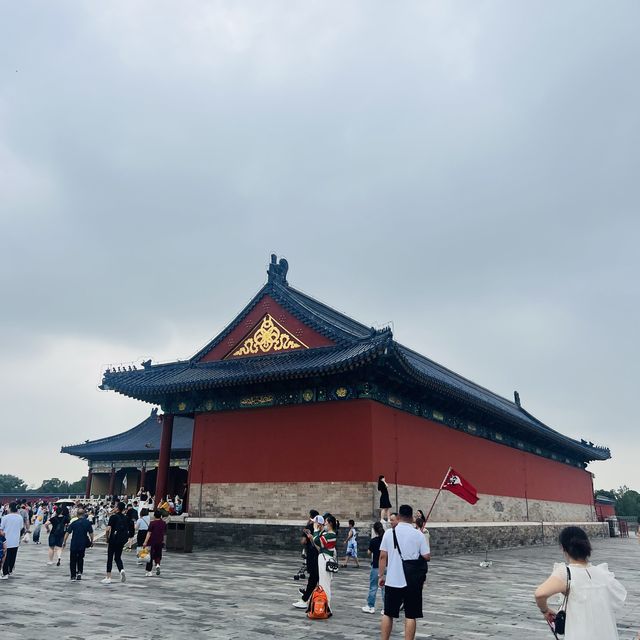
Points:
(269, 337)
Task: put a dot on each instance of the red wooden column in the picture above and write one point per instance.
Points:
(143, 476)
(87, 490)
(165, 457)
(185, 498)
(112, 481)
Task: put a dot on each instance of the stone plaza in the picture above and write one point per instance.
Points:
(226, 596)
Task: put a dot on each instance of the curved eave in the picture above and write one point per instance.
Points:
(324, 361)
(125, 455)
(525, 421)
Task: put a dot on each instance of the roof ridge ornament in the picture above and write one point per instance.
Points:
(516, 397)
(277, 270)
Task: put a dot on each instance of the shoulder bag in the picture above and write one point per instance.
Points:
(559, 624)
(332, 565)
(415, 571)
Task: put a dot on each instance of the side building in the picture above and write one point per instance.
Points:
(125, 462)
(296, 405)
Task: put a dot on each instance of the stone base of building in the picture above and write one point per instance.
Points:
(360, 500)
(446, 538)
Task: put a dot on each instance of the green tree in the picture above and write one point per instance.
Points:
(627, 502)
(78, 486)
(12, 484)
(54, 485)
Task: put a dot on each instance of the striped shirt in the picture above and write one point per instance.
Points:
(326, 540)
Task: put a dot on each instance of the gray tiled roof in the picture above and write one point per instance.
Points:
(142, 440)
(356, 346)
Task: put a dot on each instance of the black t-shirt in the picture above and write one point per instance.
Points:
(58, 524)
(312, 550)
(119, 524)
(374, 547)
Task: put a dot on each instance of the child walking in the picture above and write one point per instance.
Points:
(352, 545)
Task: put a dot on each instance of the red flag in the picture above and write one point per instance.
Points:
(455, 483)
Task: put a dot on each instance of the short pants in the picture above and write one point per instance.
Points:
(394, 597)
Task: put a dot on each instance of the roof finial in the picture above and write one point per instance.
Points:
(278, 270)
(516, 397)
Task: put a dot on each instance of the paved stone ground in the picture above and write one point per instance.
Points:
(240, 596)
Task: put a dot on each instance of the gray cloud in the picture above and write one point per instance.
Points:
(467, 171)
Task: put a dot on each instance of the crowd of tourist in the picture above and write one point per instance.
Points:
(395, 541)
(400, 552)
(123, 522)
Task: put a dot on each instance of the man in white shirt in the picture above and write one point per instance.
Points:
(12, 525)
(412, 545)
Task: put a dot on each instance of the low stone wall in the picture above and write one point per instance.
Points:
(256, 535)
(446, 538)
(360, 500)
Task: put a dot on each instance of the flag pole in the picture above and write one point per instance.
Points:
(438, 494)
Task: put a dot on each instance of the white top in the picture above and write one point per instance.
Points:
(412, 544)
(594, 597)
(12, 524)
(143, 523)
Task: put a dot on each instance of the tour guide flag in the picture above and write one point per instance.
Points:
(455, 483)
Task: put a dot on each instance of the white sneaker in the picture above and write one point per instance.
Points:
(123, 577)
(300, 604)
(50, 562)
(106, 581)
(147, 574)
(368, 609)
(3, 577)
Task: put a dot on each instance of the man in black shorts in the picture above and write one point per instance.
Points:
(411, 544)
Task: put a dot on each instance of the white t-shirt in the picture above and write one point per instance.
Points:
(143, 523)
(413, 545)
(12, 524)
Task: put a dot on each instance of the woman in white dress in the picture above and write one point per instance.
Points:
(594, 593)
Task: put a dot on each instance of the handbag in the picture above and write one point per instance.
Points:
(332, 565)
(415, 571)
(559, 624)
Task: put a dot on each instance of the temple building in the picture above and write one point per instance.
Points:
(296, 405)
(128, 461)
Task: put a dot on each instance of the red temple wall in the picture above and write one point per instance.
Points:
(363, 439)
(267, 305)
(284, 444)
(604, 511)
(421, 452)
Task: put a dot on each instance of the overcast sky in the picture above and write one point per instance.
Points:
(467, 171)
